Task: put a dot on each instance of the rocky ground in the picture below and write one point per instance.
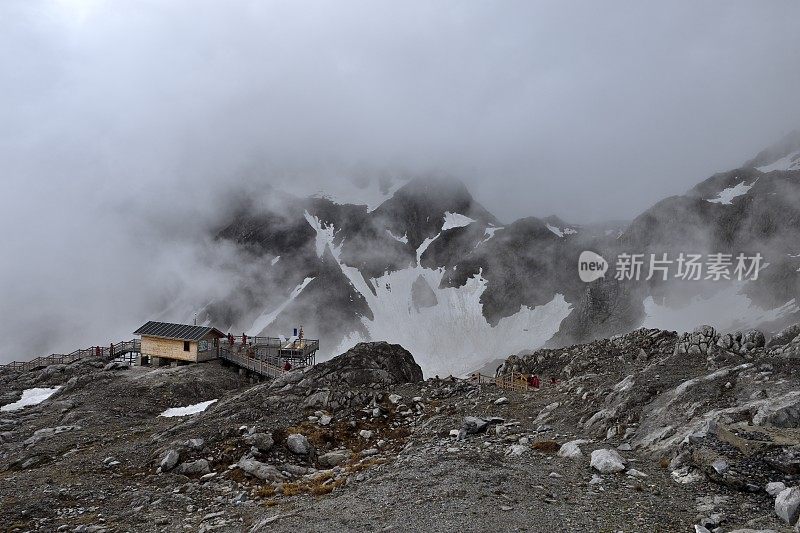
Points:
(650, 431)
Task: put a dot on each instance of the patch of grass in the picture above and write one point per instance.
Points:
(265, 491)
(291, 489)
(546, 446)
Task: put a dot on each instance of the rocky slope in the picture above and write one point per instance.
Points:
(648, 431)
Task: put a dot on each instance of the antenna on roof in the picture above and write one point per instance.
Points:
(195, 319)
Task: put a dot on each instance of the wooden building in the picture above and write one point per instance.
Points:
(164, 343)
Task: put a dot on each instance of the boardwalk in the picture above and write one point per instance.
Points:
(264, 356)
(109, 352)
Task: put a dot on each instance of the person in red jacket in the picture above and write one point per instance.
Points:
(287, 366)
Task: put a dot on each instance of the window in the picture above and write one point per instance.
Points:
(185, 346)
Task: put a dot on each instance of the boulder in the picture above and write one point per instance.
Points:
(298, 444)
(189, 468)
(258, 469)
(774, 488)
(787, 505)
(263, 442)
(169, 460)
(571, 449)
(334, 458)
(366, 364)
(607, 461)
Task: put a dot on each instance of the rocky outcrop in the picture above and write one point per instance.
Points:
(367, 363)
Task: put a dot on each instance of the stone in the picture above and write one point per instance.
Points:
(571, 450)
(298, 444)
(787, 505)
(263, 442)
(774, 488)
(501, 401)
(607, 461)
(635, 473)
(334, 458)
(324, 420)
(395, 398)
(195, 444)
(258, 469)
(45, 433)
(365, 434)
(199, 466)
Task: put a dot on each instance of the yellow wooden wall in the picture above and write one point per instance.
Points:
(168, 349)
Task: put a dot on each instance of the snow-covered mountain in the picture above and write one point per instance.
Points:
(425, 265)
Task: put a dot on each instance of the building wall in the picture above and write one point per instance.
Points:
(212, 350)
(168, 349)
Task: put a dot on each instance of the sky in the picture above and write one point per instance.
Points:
(122, 123)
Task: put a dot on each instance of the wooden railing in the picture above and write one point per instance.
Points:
(512, 381)
(250, 363)
(104, 352)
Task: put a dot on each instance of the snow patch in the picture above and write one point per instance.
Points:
(488, 234)
(455, 220)
(403, 239)
(561, 232)
(342, 192)
(726, 196)
(726, 310)
(275, 260)
(325, 235)
(424, 246)
(30, 397)
(790, 162)
(188, 410)
(268, 317)
(452, 337)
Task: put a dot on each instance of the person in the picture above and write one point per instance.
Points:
(535, 382)
(287, 366)
(553, 380)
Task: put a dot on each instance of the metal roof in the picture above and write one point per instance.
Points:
(183, 332)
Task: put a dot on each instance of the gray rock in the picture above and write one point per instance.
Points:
(607, 461)
(263, 442)
(189, 468)
(298, 444)
(501, 401)
(787, 505)
(169, 460)
(334, 458)
(774, 488)
(195, 444)
(258, 469)
(45, 433)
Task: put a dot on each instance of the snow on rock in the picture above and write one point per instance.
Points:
(790, 162)
(30, 397)
(325, 235)
(451, 336)
(403, 239)
(726, 196)
(424, 246)
(188, 410)
(268, 317)
(275, 260)
(455, 220)
(561, 232)
(730, 309)
(344, 192)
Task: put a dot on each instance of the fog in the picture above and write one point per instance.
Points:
(125, 126)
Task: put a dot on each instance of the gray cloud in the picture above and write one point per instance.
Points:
(123, 124)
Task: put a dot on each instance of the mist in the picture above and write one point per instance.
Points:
(125, 128)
